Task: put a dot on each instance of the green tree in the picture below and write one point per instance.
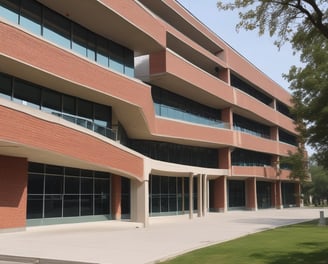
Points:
(310, 92)
(318, 188)
(303, 23)
(282, 18)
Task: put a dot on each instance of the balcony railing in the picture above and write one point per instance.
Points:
(179, 114)
(86, 123)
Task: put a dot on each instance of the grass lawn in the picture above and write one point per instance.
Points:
(305, 243)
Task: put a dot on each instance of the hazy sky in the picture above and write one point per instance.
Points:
(260, 51)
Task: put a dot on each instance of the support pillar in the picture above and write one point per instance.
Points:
(200, 195)
(205, 195)
(116, 196)
(279, 204)
(219, 194)
(191, 196)
(273, 195)
(251, 197)
(140, 202)
(13, 192)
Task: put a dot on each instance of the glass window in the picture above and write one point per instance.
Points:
(52, 169)
(71, 205)
(155, 204)
(5, 86)
(47, 199)
(129, 63)
(72, 185)
(30, 17)
(36, 167)
(56, 28)
(91, 48)
(69, 108)
(172, 185)
(27, 94)
(101, 174)
(101, 186)
(87, 173)
(164, 185)
(116, 54)
(79, 39)
(172, 203)
(102, 52)
(34, 206)
(86, 185)
(102, 115)
(53, 206)
(10, 10)
(155, 184)
(236, 193)
(54, 184)
(72, 171)
(86, 204)
(35, 183)
(125, 197)
(51, 102)
(164, 203)
(101, 204)
(85, 109)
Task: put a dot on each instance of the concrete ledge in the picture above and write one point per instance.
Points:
(28, 260)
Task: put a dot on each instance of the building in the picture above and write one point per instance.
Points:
(131, 109)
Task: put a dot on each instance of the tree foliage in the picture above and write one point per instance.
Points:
(318, 188)
(309, 85)
(298, 164)
(282, 18)
(303, 23)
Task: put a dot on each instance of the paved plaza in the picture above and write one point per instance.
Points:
(121, 242)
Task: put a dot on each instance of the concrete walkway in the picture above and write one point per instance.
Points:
(115, 242)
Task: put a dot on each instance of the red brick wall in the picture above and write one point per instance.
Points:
(251, 194)
(13, 192)
(224, 158)
(30, 131)
(219, 194)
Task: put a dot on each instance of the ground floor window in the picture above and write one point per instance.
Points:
(264, 194)
(288, 194)
(236, 194)
(170, 195)
(125, 198)
(59, 192)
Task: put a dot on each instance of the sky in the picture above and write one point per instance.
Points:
(260, 51)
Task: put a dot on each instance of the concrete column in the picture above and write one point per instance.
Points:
(274, 133)
(200, 195)
(227, 116)
(183, 195)
(225, 158)
(219, 194)
(116, 196)
(13, 192)
(205, 195)
(191, 196)
(251, 197)
(140, 202)
(224, 75)
(273, 194)
(279, 204)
